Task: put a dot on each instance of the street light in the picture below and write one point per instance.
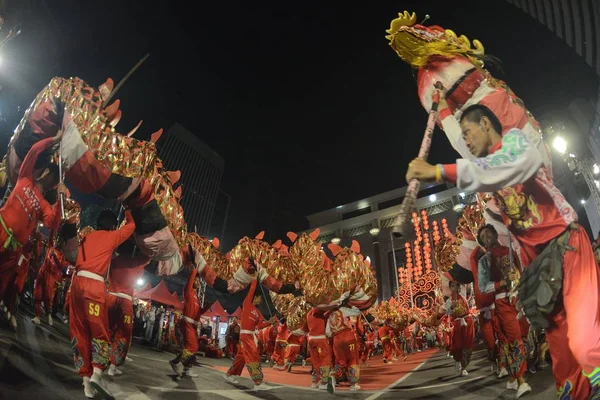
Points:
(140, 282)
(432, 197)
(336, 240)
(374, 231)
(559, 145)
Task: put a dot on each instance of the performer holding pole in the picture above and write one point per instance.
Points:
(556, 252)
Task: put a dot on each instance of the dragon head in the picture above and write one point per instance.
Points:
(416, 44)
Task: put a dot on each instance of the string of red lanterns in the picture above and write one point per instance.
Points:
(418, 253)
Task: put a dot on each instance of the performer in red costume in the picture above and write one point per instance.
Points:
(192, 311)
(266, 339)
(124, 273)
(182, 364)
(30, 253)
(370, 342)
(495, 276)
(281, 343)
(233, 337)
(485, 304)
(26, 207)
(318, 347)
(463, 334)
(536, 213)
(384, 337)
(294, 343)
(345, 348)
(248, 352)
(48, 275)
(88, 312)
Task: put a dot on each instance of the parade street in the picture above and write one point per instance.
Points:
(35, 363)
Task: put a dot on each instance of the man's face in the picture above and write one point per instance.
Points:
(257, 300)
(196, 283)
(476, 136)
(597, 254)
(489, 238)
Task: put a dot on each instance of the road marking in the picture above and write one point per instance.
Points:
(238, 395)
(223, 392)
(439, 385)
(399, 381)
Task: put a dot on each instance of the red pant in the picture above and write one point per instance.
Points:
(370, 348)
(247, 355)
(487, 331)
(396, 348)
(362, 350)
(320, 357)
(345, 350)
(120, 322)
(293, 348)
(232, 347)
(511, 342)
(387, 348)
(279, 353)
(190, 342)
(463, 340)
(88, 325)
(9, 261)
(577, 358)
(45, 288)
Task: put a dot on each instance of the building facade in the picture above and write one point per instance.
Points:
(201, 172)
(370, 222)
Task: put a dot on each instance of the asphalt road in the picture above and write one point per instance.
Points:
(35, 363)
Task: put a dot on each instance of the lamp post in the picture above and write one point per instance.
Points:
(395, 265)
(577, 163)
(374, 234)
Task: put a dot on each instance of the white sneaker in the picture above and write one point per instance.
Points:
(503, 373)
(13, 322)
(514, 385)
(128, 359)
(231, 379)
(524, 388)
(464, 372)
(100, 386)
(354, 388)
(50, 321)
(88, 390)
(304, 363)
(262, 386)
(457, 366)
(36, 320)
(190, 374)
(314, 386)
(113, 371)
(448, 355)
(492, 368)
(331, 384)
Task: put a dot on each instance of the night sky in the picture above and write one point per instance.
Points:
(306, 94)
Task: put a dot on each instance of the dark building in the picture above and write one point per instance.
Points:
(201, 172)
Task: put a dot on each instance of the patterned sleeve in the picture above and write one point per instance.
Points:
(516, 162)
(483, 275)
